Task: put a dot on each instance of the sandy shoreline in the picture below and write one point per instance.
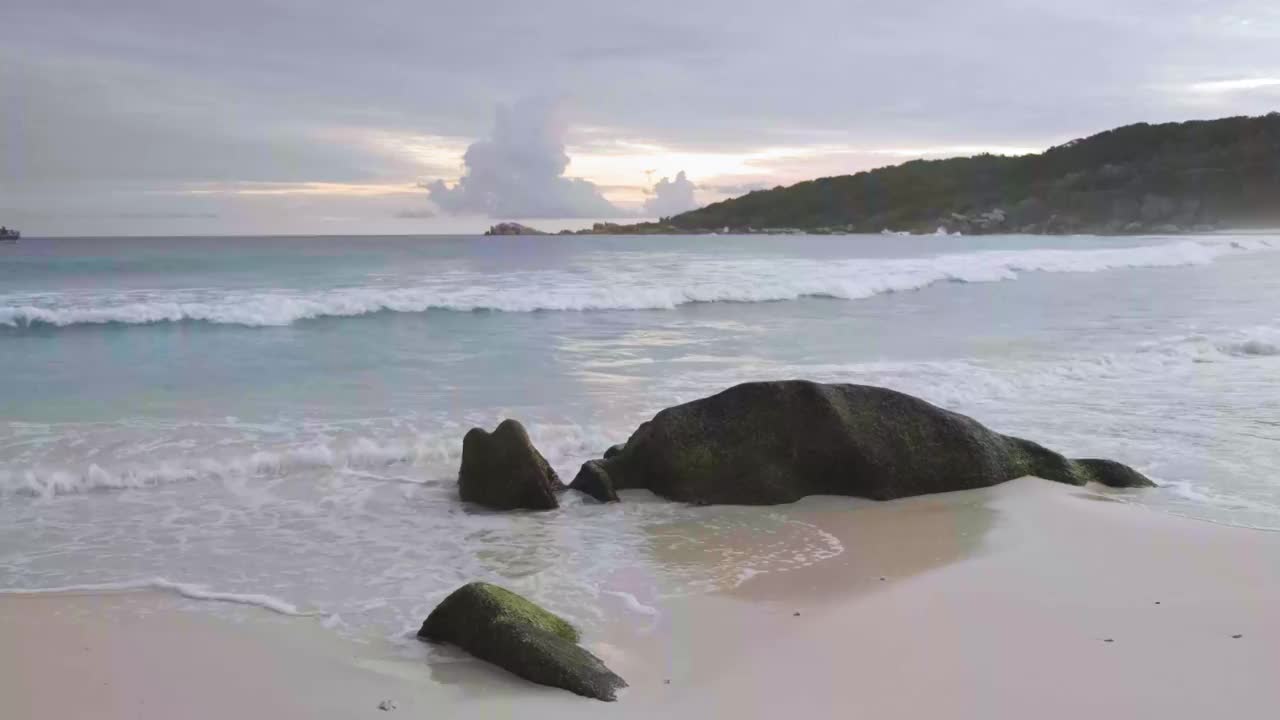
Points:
(1025, 600)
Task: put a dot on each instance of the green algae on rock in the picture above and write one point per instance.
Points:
(503, 628)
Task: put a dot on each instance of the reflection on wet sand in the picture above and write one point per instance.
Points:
(809, 557)
(823, 546)
(884, 542)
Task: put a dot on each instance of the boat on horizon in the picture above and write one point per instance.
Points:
(9, 235)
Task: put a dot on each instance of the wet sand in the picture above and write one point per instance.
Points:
(1026, 600)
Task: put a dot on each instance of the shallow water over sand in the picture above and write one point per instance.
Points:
(283, 416)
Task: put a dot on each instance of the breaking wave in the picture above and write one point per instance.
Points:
(425, 459)
(432, 458)
(610, 284)
(1257, 342)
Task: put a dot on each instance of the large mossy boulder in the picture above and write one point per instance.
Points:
(504, 471)
(499, 626)
(765, 443)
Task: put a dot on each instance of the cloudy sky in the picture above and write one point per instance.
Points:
(419, 116)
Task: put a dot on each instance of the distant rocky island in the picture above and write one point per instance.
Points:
(600, 228)
(1169, 178)
(513, 228)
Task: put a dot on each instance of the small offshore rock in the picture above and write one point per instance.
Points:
(1236, 637)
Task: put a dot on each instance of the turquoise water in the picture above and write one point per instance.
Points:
(283, 416)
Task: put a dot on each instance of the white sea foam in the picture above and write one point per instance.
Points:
(187, 590)
(422, 459)
(1200, 496)
(1256, 342)
(362, 453)
(1255, 347)
(618, 285)
(632, 603)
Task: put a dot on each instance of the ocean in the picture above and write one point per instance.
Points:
(278, 421)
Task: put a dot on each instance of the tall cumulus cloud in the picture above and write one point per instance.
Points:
(671, 197)
(518, 171)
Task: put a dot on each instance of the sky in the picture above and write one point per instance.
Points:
(156, 117)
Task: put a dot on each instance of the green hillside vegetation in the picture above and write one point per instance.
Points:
(1189, 176)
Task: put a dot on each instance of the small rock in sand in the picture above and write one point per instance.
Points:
(387, 705)
(1236, 637)
(1108, 640)
(499, 626)
(795, 614)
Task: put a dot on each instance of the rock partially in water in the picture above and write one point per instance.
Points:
(499, 626)
(765, 443)
(504, 471)
(594, 480)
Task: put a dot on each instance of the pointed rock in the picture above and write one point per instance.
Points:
(504, 471)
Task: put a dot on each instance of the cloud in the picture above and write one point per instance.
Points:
(737, 189)
(105, 98)
(518, 171)
(415, 214)
(1238, 85)
(143, 215)
(671, 197)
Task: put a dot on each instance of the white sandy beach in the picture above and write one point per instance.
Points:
(1026, 600)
